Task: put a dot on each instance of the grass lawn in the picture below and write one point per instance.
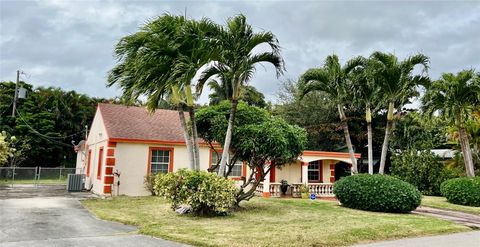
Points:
(442, 203)
(268, 222)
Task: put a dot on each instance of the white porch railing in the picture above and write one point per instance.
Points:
(259, 189)
(274, 189)
(295, 188)
(319, 189)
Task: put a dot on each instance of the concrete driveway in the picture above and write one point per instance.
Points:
(40, 217)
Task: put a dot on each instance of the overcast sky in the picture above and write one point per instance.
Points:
(69, 44)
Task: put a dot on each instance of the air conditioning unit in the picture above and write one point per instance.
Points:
(75, 182)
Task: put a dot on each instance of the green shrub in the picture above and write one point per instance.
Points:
(205, 192)
(422, 169)
(380, 193)
(149, 183)
(463, 191)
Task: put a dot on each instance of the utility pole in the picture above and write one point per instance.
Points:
(16, 94)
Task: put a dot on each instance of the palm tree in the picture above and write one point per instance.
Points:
(221, 90)
(160, 61)
(397, 85)
(236, 62)
(366, 92)
(333, 79)
(455, 97)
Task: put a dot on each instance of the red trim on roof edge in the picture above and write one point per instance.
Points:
(103, 121)
(127, 140)
(330, 154)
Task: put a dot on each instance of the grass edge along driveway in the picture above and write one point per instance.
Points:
(268, 222)
(442, 203)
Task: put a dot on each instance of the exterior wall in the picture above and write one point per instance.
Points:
(132, 164)
(293, 172)
(290, 172)
(97, 138)
(326, 170)
(81, 161)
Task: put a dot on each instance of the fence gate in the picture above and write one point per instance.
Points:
(35, 175)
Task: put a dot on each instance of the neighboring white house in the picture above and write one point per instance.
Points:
(126, 143)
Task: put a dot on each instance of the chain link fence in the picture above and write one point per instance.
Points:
(35, 175)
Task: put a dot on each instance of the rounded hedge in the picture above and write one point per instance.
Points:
(463, 191)
(380, 193)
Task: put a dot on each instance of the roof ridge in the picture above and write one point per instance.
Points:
(134, 106)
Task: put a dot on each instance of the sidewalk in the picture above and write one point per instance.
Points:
(464, 239)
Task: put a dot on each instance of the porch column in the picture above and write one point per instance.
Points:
(266, 180)
(304, 172)
(332, 173)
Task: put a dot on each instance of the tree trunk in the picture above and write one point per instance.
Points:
(186, 136)
(228, 138)
(370, 148)
(343, 119)
(386, 139)
(368, 118)
(196, 150)
(467, 152)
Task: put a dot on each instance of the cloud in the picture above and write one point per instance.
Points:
(70, 43)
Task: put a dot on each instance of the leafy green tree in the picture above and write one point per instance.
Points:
(314, 112)
(236, 61)
(333, 79)
(422, 169)
(414, 131)
(257, 138)
(46, 123)
(455, 98)
(398, 85)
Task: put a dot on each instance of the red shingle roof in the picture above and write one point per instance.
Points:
(136, 123)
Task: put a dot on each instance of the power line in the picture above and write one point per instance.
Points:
(50, 138)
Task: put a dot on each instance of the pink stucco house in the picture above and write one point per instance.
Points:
(126, 143)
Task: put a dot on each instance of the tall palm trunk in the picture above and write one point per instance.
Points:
(386, 139)
(368, 117)
(196, 150)
(186, 136)
(467, 152)
(228, 138)
(343, 119)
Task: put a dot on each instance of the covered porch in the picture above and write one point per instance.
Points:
(318, 170)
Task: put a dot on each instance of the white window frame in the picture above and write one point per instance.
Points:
(162, 163)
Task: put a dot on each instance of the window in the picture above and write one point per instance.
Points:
(160, 160)
(236, 169)
(89, 158)
(315, 171)
(100, 161)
